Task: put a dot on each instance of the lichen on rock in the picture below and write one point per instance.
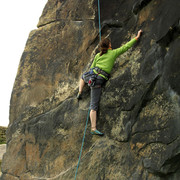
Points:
(139, 108)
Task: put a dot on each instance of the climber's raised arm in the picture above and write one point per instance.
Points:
(128, 45)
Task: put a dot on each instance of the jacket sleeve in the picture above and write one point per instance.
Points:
(124, 48)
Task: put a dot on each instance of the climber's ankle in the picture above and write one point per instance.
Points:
(93, 128)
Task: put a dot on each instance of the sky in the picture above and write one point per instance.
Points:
(17, 19)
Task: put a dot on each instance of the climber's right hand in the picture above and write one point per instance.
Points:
(139, 34)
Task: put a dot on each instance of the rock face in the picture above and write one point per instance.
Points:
(140, 104)
(2, 151)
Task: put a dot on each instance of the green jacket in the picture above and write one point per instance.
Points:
(106, 61)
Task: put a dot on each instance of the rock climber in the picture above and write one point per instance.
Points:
(99, 74)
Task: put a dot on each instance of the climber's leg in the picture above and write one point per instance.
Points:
(81, 86)
(93, 115)
(84, 79)
(95, 98)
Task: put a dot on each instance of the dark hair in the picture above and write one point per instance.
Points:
(104, 45)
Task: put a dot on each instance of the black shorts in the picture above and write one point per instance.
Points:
(95, 91)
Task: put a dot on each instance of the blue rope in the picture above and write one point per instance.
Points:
(99, 14)
(82, 144)
(89, 108)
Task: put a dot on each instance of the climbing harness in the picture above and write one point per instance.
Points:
(102, 73)
(82, 143)
(92, 79)
(99, 14)
(89, 107)
(93, 76)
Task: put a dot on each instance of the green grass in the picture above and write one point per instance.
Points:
(2, 135)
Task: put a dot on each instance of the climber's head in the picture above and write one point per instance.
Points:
(105, 44)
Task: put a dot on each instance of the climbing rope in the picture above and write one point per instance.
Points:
(82, 144)
(89, 108)
(99, 14)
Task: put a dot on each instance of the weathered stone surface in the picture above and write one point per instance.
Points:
(140, 104)
(2, 150)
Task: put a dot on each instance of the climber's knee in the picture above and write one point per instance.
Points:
(92, 110)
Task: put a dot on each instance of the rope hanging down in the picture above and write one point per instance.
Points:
(99, 14)
(82, 143)
(89, 108)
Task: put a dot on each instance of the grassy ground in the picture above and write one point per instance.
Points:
(2, 135)
(2, 139)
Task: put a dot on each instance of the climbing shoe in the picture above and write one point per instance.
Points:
(96, 132)
(79, 96)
